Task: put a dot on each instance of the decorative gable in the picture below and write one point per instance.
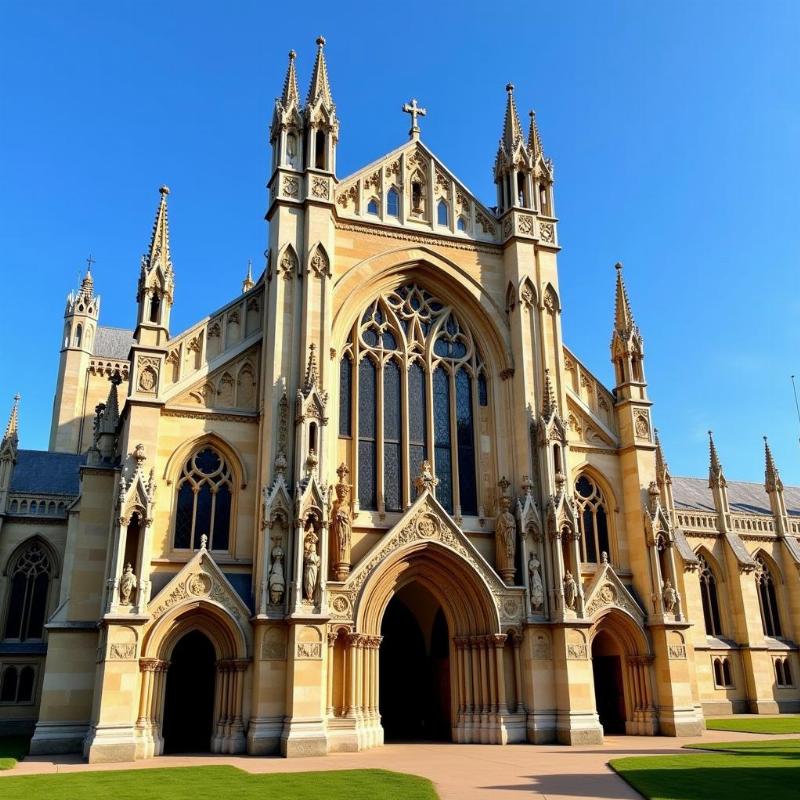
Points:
(608, 591)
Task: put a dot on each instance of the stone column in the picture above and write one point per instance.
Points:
(499, 642)
(516, 641)
(332, 637)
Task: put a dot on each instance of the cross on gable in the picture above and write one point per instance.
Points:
(415, 111)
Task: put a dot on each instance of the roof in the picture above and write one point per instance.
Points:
(113, 343)
(44, 472)
(745, 498)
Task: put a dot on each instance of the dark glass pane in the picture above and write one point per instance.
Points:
(416, 455)
(202, 520)
(417, 416)
(345, 398)
(222, 519)
(458, 350)
(366, 475)
(207, 461)
(391, 401)
(483, 390)
(389, 341)
(370, 337)
(392, 480)
(441, 435)
(773, 602)
(366, 399)
(441, 213)
(465, 434)
(392, 203)
(602, 530)
(38, 607)
(442, 348)
(588, 534)
(372, 207)
(713, 602)
(25, 690)
(16, 603)
(583, 486)
(444, 472)
(8, 691)
(183, 516)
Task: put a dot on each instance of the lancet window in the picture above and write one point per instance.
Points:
(708, 593)
(767, 599)
(592, 520)
(414, 395)
(29, 585)
(204, 501)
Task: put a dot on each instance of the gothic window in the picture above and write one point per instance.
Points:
(416, 197)
(319, 149)
(708, 593)
(345, 407)
(78, 334)
(291, 149)
(393, 203)
(783, 672)
(29, 585)
(723, 677)
(17, 683)
(204, 501)
(442, 216)
(521, 189)
(420, 366)
(155, 304)
(372, 207)
(767, 599)
(461, 224)
(592, 520)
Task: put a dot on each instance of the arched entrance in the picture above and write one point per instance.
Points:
(189, 697)
(609, 690)
(415, 696)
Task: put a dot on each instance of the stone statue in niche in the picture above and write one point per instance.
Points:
(669, 596)
(127, 586)
(505, 531)
(570, 590)
(426, 480)
(535, 585)
(310, 566)
(277, 582)
(342, 525)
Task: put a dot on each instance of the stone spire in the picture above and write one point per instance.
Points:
(772, 478)
(549, 407)
(248, 283)
(290, 96)
(627, 345)
(11, 437)
(319, 91)
(534, 142)
(777, 501)
(718, 486)
(158, 252)
(716, 477)
(662, 468)
(624, 323)
(512, 130)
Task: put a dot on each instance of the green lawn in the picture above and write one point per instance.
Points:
(756, 724)
(12, 749)
(215, 783)
(734, 770)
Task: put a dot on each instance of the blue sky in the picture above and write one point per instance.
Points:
(674, 129)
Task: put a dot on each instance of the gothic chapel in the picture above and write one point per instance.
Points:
(375, 496)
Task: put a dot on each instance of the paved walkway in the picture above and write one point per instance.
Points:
(460, 771)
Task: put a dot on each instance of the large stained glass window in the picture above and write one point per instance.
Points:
(415, 395)
(592, 519)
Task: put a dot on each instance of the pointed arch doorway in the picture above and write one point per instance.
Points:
(414, 692)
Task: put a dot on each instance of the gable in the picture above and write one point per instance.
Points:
(608, 591)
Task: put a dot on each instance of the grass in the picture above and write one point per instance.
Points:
(756, 724)
(12, 749)
(213, 783)
(733, 770)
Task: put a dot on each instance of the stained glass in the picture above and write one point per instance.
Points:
(367, 429)
(602, 530)
(441, 434)
(222, 518)
(392, 473)
(345, 400)
(25, 690)
(588, 534)
(202, 519)
(392, 203)
(483, 391)
(466, 444)
(183, 518)
(366, 475)
(207, 461)
(38, 607)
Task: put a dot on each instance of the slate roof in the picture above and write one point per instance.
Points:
(43, 472)
(113, 343)
(746, 498)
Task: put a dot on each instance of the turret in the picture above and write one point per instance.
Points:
(513, 166)
(286, 131)
(627, 347)
(154, 292)
(321, 123)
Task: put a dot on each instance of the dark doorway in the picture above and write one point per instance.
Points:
(189, 698)
(414, 674)
(609, 693)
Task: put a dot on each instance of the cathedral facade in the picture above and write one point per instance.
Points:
(376, 496)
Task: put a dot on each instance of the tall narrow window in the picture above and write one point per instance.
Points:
(767, 599)
(441, 438)
(393, 203)
(417, 420)
(468, 490)
(345, 405)
(78, 334)
(592, 519)
(26, 606)
(367, 429)
(461, 224)
(372, 207)
(416, 197)
(441, 213)
(392, 465)
(204, 502)
(708, 593)
(155, 304)
(319, 145)
(521, 189)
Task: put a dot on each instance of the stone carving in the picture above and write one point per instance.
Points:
(576, 652)
(274, 645)
(122, 652)
(291, 186)
(147, 369)
(127, 586)
(199, 584)
(319, 264)
(535, 585)
(676, 651)
(310, 566)
(482, 220)
(341, 605)
(306, 650)
(426, 479)
(277, 582)
(319, 188)
(669, 596)
(547, 232)
(570, 590)
(641, 423)
(288, 263)
(550, 302)
(541, 648)
(505, 532)
(341, 525)
(525, 224)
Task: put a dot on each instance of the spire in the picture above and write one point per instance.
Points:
(772, 478)
(549, 407)
(512, 130)
(12, 427)
(87, 284)
(716, 477)
(311, 368)
(320, 88)
(662, 468)
(248, 283)
(623, 316)
(159, 241)
(534, 142)
(291, 94)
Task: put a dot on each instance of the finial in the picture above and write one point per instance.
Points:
(89, 262)
(509, 87)
(772, 478)
(292, 55)
(164, 190)
(203, 541)
(618, 266)
(320, 41)
(11, 428)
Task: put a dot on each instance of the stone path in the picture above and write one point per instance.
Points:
(460, 772)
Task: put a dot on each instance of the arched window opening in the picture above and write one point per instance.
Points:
(718, 681)
(783, 673)
(78, 335)
(155, 305)
(592, 520)
(29, 585)
(416, 358)
(442, 217)
(345, 402)
(204, 502)
(393, 203)
(132, 543)
(483, 391)
(767, 599)
(417, 205)
(544, 200)
(291, 150)
(461, 224)
(727, 678)
(723, 677)
(17, 684)
(8, 686)
(521, 199)
(372, 207)
(708, 593)
(319, 150)
(312, 437)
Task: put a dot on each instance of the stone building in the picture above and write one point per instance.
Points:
(375, 495)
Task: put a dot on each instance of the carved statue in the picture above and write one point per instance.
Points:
(426, 479)
(310, 566)
(669, 596)
(505, 531)
(342, 525)
(570, 590)
(127, 585)
(277, 583)
(535, 585)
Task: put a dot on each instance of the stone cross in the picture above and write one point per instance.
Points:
(415, 111)
(90, 261)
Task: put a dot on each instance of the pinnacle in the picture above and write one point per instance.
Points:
(534, 142)
(623, 316)
(512, 130)
(772, 478)
(320, 89)
(714, 466)
(662, 468)
(159, 241)
(290, 94)
(13, 422)
(549, 397)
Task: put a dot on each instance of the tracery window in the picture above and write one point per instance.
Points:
(767, 599)
(723, 677)
(708, 593)
(783, 672)
(29, 579)
(204, 501)
(592, 520)
(17, 683)
(414, 396)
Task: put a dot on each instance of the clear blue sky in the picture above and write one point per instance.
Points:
(674, 128)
